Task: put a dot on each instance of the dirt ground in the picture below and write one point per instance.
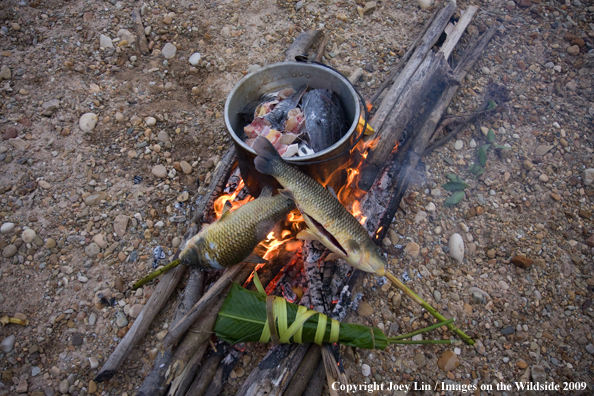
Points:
(100, 143)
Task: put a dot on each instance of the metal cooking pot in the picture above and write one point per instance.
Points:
(284, 75)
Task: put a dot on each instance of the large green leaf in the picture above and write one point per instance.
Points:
(454, 178)
(490, 136)
(482, 154)
(243, 316)
(454, 198)
(454, 186)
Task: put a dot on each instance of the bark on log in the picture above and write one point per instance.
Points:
(406, 56)
(316, 382)
(420, 141)
(456, 34)
(207, 373)
(274, 373)
(140, 35)
(304, 372)
(301, 44)
(428, 40)
(431, 72)
(222, 374)
(181, 384)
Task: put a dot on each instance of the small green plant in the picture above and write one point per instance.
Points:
(456, 185)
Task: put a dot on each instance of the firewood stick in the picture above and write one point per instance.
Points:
(207, 373)
(406, 56)
(431, 72)
(155, 383)
(322, 48)
(140, 35)
(301, 44)
(316, 382)
(456, 34)
(181, 384)
(304, 372)
(420, 141)
(222, 374)
(204, 303)
(428, 40)
(275, 371)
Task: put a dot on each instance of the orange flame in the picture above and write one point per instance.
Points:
(219, 204)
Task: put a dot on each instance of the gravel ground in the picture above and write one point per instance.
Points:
(104, 149)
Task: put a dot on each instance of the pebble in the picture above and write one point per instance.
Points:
(507, 330)
(186, 167)
(92, 319)
(472, 143)
(9, 251)
(7, 344)
(365, 370)
(420, 216)
(448, 361)
(121, 319)
(430, 207)
(35, 370)
(459, 145)
(28, 236)
(590, 349)
(2, 299)
(105, 42)
(419, 359)
(588, 176)
(425, 4)
(412, 249)
(456, 246)
(573, 50)
(538, 374)
(87, 122)
(93, 362)
(64, 386)
(136, 310)
(120, 224)
(163, 137)
(92, 250)
(364, 309)
(6, 228)
(522, 262)
(5, 73)
(150, 121)
(22, 386)
(437, 296)
(169, 50)
(195, 59)
(159, 171)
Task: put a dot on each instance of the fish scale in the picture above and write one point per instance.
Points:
(231, 239)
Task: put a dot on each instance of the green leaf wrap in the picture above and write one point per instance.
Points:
(243, 316)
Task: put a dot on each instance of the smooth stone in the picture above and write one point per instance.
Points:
(364, 309)
(87, 122)
(159, 171)
(64, 386)
(522, 262)
(448, 361)
(5, 73)
(28, 236)
(6, 228)
(150, 121)
(538, 374)
(420, 216)
(120, 224)
(7, 344)
(437, 296)
(365, 370)
(93, 362)
(456, 246)
(507, 330)
(412, 249)
(195, 59)
(92, 250)
(430, 207)
(163, 137)
(590, 349)
(105, 42)
(136, 310)
(169, 50)
(92, 319)
(186, 167)
(22, 386)
(121, 319)
(125, 34)
(588, 176)
(542, 150)
(35, 371)
(459, 145)
(9, 251)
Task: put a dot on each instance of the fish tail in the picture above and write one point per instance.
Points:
(267, 155)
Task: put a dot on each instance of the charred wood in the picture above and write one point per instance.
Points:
(222, 373)
(209, 368)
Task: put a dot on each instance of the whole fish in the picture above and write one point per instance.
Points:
(325, 122)
(231, 239)
(327, 220)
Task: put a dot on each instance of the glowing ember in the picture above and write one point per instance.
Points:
(219, 204)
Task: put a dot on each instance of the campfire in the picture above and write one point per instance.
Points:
(369, 182)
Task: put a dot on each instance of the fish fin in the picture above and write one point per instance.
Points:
(266, 192)
(254, 258)
(332, 256)
(287, 193)
(353, 246)
(226, 210)
(266, 154)
(331, 191)
(307, 235)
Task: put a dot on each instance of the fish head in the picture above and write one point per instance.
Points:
(190, 255)
(371, 259)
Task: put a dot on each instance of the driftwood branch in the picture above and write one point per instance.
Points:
(301, 44)
(455, 35)
(304, 372)
(207, 373)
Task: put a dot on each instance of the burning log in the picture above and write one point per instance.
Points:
(386, 122)
(420, 141)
